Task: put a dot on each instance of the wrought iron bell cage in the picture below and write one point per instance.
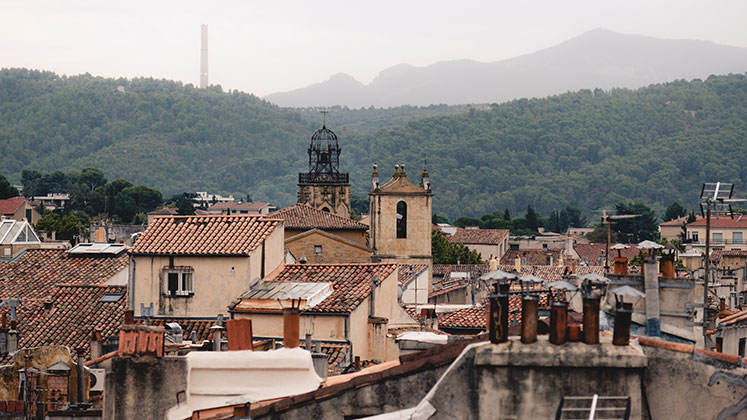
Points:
(324, 159)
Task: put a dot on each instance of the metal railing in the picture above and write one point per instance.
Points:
(312, 178)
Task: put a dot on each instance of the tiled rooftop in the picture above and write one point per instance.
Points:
(593, 253)
(408, 272)
(738, 221)
(552, 272)
(11, 205)
(479, 236)
(531, 256)
(36, 273)
(69, 317)
(351, 282)
(252, 206)
(201, 326)
(204, 235)
(304, 217)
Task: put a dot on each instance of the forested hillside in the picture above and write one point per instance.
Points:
(588, 149)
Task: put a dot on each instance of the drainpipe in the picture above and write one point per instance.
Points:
(81, 377)
(347, 339)
(131, 285)
(651, 282)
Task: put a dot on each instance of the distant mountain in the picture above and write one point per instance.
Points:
(596, 59)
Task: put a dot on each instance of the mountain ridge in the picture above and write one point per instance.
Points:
(599, 58)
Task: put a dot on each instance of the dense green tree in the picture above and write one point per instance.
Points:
(446, 252)
(439, 219)
(466, 221)
(590, 149)
(6, 190)
(633, 230)
(674, 211)
(506, 215)
(531, 219)
(65, 227)
(184, 204)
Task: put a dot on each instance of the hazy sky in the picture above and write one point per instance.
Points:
(267, 46)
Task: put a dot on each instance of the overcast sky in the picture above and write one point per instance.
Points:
(263, 47)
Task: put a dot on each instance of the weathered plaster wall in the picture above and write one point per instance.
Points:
(321, 327)
(678, 387)
(527, 381)
(333, 251)
(390, 394)
(145, 388)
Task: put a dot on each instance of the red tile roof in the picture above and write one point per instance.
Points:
(201, 326)
(37, 273)
(351, 283)
(738, 222)
(70, 316)
(552, 272)
(592, 254)
(204, 235)
(252, 206)
(717, 255)
(11, 205)
(172, 211)
(479, 236)
(445, 270)
(531, 256)
(475, 317)
(304, 217)
(408, 272)
(678, 221)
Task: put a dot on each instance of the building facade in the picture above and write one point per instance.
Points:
(400, 219)
(324, 187)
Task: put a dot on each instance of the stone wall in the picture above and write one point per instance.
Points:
(144, 388)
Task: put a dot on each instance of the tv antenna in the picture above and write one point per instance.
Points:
(608, 220)
(715, 197)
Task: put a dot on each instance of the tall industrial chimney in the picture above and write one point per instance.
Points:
(204, 58)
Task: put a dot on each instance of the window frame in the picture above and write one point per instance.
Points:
(185, 282)
(401, 222)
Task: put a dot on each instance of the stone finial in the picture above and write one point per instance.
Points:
(396, 171)
(402, 170)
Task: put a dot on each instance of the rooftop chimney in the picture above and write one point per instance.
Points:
(292, 324)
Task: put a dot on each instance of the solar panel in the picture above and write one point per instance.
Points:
(111, 297)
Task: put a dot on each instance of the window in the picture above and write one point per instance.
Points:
(695, 237)
(402, 219)
(179, 281)
(741, 346)
(736, 237)
(317, 250)
(718, 237)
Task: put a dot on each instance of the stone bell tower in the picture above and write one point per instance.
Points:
(323, 186)
(400, 219)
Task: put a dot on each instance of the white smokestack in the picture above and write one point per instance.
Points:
(204, 57)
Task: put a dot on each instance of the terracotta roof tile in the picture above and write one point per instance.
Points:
(408, 272)
(69, 316)
(36, 273)
(678, 221)
(592, 254)
(200, 326)
(11, 205)
(552, 272)
(531, 256)
(249, 206)
(204, 235)
(304, 217)
(739, 221)
(351, 283)
(479, 236)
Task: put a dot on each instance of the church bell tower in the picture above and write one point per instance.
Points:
(324, 186)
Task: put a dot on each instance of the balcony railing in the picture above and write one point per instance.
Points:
(312, 178)
(701, 242)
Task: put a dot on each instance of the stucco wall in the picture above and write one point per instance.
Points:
(486, 251)
(321, 327)
(333, 251)
(678, 387)
(144, 388)
(417, 290)
(218, 281)
(392, 394)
